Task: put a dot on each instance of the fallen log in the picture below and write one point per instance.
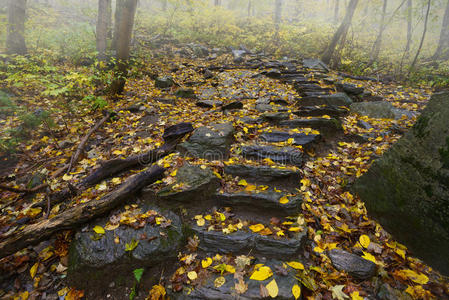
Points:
(71, 218)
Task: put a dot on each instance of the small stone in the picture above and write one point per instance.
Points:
(185, 93)
(164, 82)
(354, 265)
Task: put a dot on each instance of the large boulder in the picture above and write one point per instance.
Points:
(211, 142)
(94, 256)
(407, 190)
(380, 109)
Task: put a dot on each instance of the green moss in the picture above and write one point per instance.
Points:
(444, 154)
(420, 128)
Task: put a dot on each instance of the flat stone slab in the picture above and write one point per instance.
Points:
(338, 99)
(350, 89)
(275, 116)
(243, 242)
(192, 184)
(325, 126)
(262, 201)
(208, 291)
(281, 136)
(209, 103)
(282, 155)
(311, 111)
(264, 174)
(354, 265)
(211, 142)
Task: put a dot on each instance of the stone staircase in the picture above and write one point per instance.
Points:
(262, 186)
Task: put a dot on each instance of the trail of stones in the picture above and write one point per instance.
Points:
(251, 204)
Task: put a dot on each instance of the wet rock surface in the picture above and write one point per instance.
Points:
(338, 99)
(298, 138)
(354, 265)
(407, 191)
(211, 142)
(282, 155)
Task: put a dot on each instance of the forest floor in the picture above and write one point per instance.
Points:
(283, 170)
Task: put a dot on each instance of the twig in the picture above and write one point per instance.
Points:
(80, 148)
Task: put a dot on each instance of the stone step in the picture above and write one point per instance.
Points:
(281, 155)
(338, 99)
(260, 202)
(282, 274)
(244, 241)
(326, 127)
(275, 176)
(301, 139)
(311, 111)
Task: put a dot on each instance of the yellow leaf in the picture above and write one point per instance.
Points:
(243, 182)
(369, 256)
(32, 212)
(296, 265)
(192, 275)
(257, 227)
(116, 180)
(33, 270)
(273, 289)
(174, 173)
(206, 262)
(284, 200)
(200, 222)
(117, 152)
(364, 240)
(230, 269)
(261, 273)
(157, 292)
(99, 229)
(318, 249)
(111, 227)
(400, 252)
(219, 281)
(413, 276)
(356, 296)
(67, 177)
(250, 188)
(296, 291)
(295, 229)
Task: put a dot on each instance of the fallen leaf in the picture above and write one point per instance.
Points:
(206, 262)
(296, 291)
(192, 275)
(296, 265)
(219, 281)
(337, 292)
(364, 241)
(261, 273)
(99, 229)
(272, 288)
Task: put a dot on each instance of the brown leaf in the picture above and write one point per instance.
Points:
(263, 291)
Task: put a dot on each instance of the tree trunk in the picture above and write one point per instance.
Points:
(442, 51)
(341, 31)
(164, 5)
(426, 22)
(378, 43)
(109, 18)
(217, 2)
(15, 39)
(278, 12)
(409, 25)
(123, 41)
(249, 8)
(102, 28)
(336, 10)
